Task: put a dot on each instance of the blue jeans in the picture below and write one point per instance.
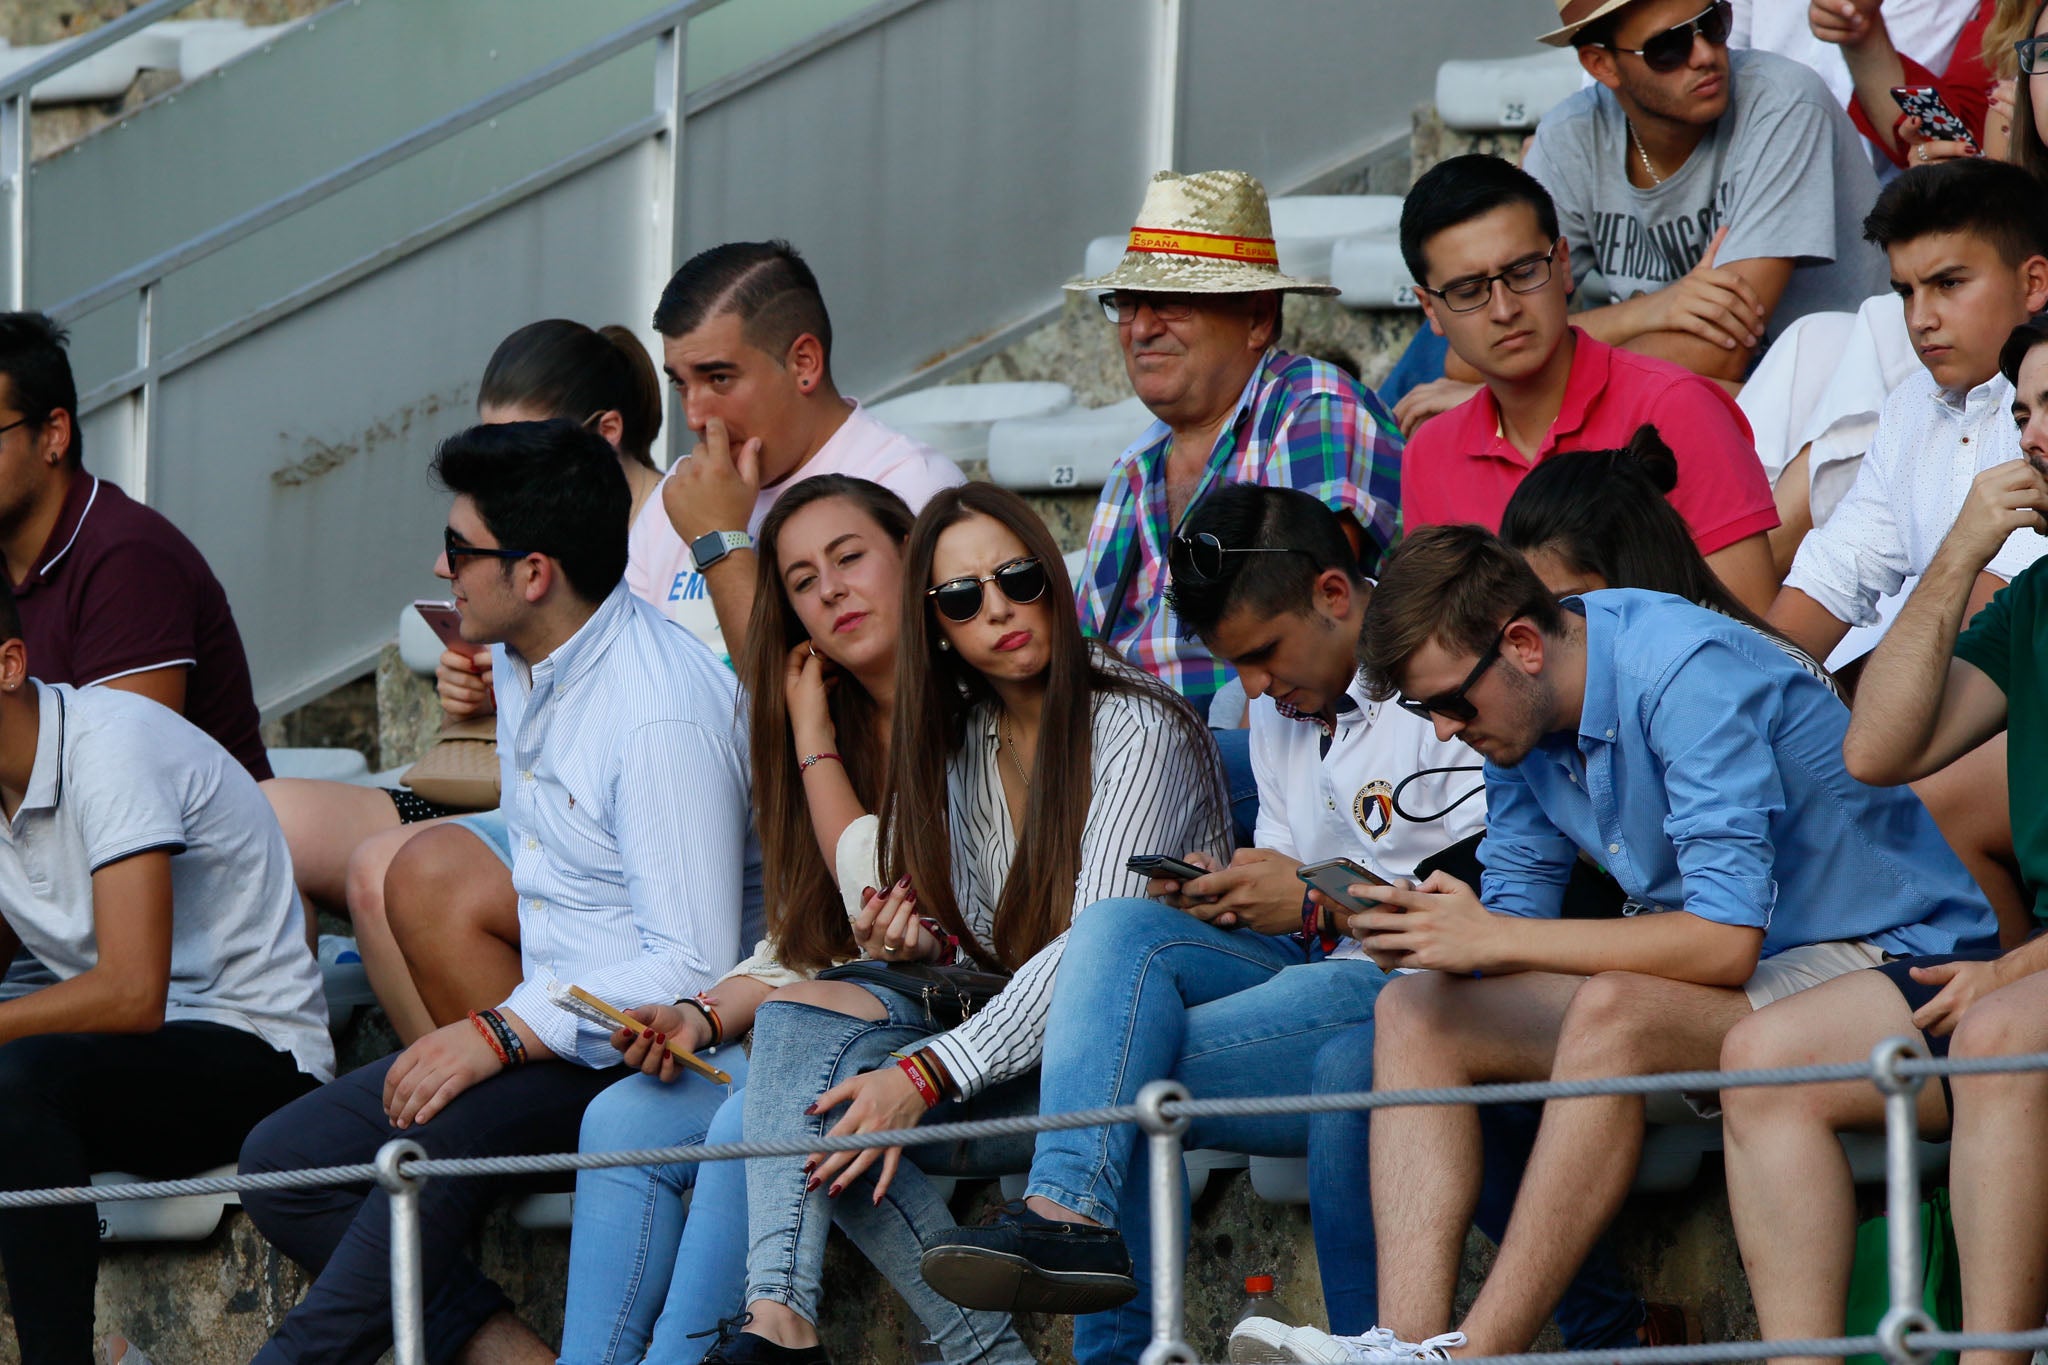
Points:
(644, 1279)
(1599, 1310)
(1146, 991)
(800, 1051)
(1240, 783)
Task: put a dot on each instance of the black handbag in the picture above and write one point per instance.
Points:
(949, 995)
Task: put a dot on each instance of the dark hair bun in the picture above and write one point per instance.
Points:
(1648, 454)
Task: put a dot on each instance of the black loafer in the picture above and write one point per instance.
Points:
(735, 1347)
(1019, 1262)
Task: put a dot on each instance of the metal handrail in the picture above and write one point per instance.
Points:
(390, 154)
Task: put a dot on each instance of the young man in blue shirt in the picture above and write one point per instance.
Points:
(1694, 759)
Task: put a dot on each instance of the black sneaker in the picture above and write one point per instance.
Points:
(744, 1348)
(1019, 1262)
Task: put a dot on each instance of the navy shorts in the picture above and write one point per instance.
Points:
(1898, 972)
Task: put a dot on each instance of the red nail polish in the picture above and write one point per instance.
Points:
(810, 1165)
(647, 1033)
(661, 1038)
(810, 1110)
(832, 1193)
(810, 1185)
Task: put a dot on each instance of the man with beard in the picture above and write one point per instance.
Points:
(1690, 756)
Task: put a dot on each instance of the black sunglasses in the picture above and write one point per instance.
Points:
(1201, 555)
(959, 599)
(1671, 49)
(456, 548)
(1452, 705)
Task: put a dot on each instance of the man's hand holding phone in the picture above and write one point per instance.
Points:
(1439, 925)
(1257, 891)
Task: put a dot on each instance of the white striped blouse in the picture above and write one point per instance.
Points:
(1156, 789)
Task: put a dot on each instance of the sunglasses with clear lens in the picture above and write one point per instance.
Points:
(1122, 306)
(456, 549)
(1671, 49)
(2033, 55)
(1523, 277)
(1452, 705)
(1200, 556)
(959, 599)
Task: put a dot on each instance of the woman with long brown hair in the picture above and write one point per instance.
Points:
(1026, 765)
(819, 675)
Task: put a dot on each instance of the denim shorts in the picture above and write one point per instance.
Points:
(489, 826)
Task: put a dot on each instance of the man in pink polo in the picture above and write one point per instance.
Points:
(1482, 237)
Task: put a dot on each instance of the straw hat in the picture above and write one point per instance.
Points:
(1206, 233)
(1576, 14)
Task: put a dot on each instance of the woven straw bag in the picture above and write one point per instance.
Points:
(461, 770)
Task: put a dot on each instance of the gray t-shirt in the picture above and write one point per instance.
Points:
(115, 775)
(1783, 168)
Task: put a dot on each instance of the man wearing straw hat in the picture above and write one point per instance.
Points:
(1197, 305)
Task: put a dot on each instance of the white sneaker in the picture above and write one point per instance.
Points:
(1376, 1347)
(1260, 1341)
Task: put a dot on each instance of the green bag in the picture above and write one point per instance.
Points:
(1941, 1292)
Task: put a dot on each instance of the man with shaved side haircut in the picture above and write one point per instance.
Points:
(748, 345)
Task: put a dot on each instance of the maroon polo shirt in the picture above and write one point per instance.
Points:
(118, 590)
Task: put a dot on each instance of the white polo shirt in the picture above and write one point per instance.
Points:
(116, 775)
(1340, 804)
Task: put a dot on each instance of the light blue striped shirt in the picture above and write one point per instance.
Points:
(623, 763)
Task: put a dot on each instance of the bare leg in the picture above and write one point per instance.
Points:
(323, 822)
(1788, 1181)
(1436, 1030)
(452, 911)
(504, 1340)
(1968, 801)
(389, 976)
(1618, 1024)
(776, 1321)
(1995, 1175)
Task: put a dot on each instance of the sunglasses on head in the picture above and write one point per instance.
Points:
(1452, 705)
(456, 548)
(1200, 556)
(1671, 49)
(959, 599)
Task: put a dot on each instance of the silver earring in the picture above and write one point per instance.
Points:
(946, 645)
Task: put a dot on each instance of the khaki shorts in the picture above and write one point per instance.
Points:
(1787, 973)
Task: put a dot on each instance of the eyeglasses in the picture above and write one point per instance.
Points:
(1671, 49)
(960, 599)
(1121, 306)
(1523, 277)
(17, 422)
(2032, 52)
(1452, 705)
(1201, 555)
(456, 548)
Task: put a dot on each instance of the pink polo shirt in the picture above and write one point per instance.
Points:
(1458, 467)
(658, 564)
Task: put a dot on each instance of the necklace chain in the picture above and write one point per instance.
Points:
(1009, 740)
(1644, 153)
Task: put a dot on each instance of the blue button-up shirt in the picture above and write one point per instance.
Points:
(1706, 774)
(623, 766)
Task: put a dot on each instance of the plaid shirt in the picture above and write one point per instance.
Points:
(1300, 423)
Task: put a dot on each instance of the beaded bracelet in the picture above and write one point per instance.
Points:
(490, 1039)
(809, 761)
(701, 1003)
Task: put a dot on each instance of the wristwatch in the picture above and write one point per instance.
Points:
(707, 550)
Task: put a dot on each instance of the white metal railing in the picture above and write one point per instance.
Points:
(1898, 1067)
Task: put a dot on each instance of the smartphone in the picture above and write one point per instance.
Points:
(1161, 866)
(445, 621)
(1937, 120)
(1335, 877)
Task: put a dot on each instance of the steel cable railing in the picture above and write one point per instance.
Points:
(1163, 1110)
